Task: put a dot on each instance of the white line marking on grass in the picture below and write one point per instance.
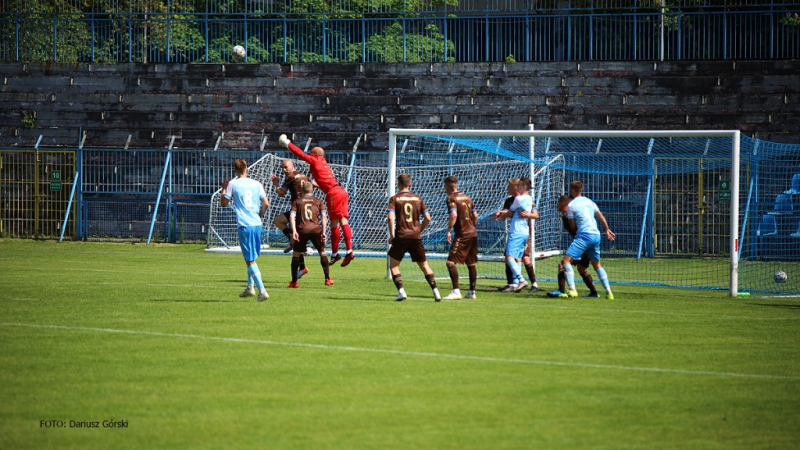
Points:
(411, 353)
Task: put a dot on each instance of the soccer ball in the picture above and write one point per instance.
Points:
(780, 277)
(238, 52)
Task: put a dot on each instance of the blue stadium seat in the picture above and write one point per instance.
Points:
(783, 204)
(795, 189)
(767, 226)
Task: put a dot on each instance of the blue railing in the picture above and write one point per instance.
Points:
(593, 31)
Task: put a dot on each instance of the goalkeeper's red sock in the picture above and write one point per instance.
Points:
(335, 236)
(348, 237)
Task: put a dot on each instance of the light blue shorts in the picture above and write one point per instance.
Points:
(589, 243)
(250, 241)
(515, 246)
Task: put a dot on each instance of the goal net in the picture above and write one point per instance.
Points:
(688, 210)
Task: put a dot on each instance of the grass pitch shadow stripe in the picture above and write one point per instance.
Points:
(411, 353)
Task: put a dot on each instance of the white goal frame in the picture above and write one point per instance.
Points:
(734, 135)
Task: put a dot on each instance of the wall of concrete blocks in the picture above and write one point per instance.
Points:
(142, 105)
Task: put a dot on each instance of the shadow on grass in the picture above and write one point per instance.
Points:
(777, 305)
(193, 301)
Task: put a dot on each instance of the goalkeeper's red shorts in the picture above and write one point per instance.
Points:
(337, 203)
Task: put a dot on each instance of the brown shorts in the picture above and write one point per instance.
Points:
(414, 248)
(302, 239)
(464, 251)
(584, 260)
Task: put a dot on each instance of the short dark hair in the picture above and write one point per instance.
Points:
(525, 181)
(564, 200)
(451, 181)
(576, 186)
(404, 180)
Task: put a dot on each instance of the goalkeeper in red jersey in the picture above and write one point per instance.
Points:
(335, 197)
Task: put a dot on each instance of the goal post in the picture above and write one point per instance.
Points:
(726, 145)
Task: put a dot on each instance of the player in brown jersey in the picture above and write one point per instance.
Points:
(308, 221)
(464, 246)
(405, 235)
(583, 264)
(291, 185)
(526, 256)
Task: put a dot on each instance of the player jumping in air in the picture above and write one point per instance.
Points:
(405, 235)
(582, 217)
(250, 204)
(291, 184)
(335, 197)
(308, 221)
(464, 246)
(582, 265)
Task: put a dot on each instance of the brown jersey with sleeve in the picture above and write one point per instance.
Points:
(292, 184)
(407, 208)
(465, 223)
(307, 210)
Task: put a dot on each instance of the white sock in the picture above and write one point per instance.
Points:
(457, 291)
(402, 291)
(436, 293)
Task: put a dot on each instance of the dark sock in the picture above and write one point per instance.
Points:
(589, 282)
(398, 281)
(431, 279)
(473, 277)
(323, 261)
(288, 233)
(562, 281)
(509, 275)
(302, 262)
(531, 275)
(295, 265)
(453, 270)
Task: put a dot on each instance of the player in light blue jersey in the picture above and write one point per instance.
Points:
(250, 204)
(520, 212)
(582, 217)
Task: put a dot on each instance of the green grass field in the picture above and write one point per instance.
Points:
(157, 337)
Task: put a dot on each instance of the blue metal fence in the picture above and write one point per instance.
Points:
(509, 30)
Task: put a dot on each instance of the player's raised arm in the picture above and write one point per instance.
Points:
(297, 151)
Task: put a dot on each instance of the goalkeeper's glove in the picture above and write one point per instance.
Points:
(284, 141)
